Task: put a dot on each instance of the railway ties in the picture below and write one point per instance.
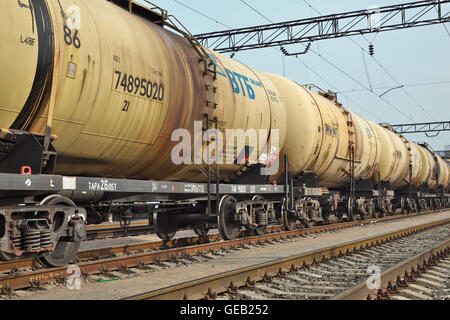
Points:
(317, 275)
(433, 284)
(123, 262)
(325, 280)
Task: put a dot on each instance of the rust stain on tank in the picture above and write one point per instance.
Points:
(83, 83)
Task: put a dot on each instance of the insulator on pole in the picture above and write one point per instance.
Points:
(371, 49)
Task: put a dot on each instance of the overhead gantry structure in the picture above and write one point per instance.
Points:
(373, 20)
(425, 127)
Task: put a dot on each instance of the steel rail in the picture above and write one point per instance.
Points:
(209, 287)
(106, 259)
(115, 225)
(15, 266)
(116, 230)
(391, 279)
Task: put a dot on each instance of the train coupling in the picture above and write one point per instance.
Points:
(32, 231)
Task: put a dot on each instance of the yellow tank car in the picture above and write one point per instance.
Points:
(20, 67)
(318, 136)
(431, 180)
(119, 87)
(426, 169)
(368, 147)
(417, 165)
(447, 161)
(93, 90)
(304, 135)
(395, 159)
(443, 172)
(332, 164)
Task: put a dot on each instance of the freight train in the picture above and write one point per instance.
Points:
(94, 88)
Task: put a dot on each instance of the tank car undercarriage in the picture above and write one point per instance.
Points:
(52, 227)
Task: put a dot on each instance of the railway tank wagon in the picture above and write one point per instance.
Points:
(100, 89)
(113, 99)
(109, 93)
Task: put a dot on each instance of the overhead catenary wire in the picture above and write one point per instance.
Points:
(386, 71)
(338, 68)
(334, 88)
(392, 77)
(445, 27)
(405, 85)
(202, 14)
(364, 88)
(316, 53)
(307, 3)
(367, 71)
(361, 84)
(404, 90)
(259, 13)
(332, 64)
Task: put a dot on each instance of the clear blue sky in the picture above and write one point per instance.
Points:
(411, 57)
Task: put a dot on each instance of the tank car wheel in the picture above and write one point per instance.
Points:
(201, 230)
(229, 229)
(351, 209)
(165, 230)
(65, 250)
(289, 221)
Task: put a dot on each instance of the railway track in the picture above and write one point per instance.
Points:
(28, 273)
(425, 276)
(319, 274)
(431, 282)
